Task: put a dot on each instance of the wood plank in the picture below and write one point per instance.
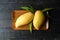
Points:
(16, 14)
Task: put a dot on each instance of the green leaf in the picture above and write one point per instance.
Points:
(30, 8)
(25, 8)
(47, 9)
(30, 27)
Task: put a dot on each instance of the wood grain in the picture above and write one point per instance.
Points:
(16, 14)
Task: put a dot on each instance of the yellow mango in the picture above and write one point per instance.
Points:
(38, 19)
(24, 19)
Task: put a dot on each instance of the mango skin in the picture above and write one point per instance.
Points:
(24, 19)
(38, 19)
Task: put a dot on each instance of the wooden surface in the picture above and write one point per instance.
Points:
(16, 14)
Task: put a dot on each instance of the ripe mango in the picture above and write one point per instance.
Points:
(24, 19)
(38, 19)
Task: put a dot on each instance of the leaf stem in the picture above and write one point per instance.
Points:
(30, 27)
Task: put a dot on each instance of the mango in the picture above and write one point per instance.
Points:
(38, 19)
(24, 19)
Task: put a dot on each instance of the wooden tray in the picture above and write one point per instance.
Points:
(16, 14)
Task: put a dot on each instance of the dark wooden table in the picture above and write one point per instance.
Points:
(6, 31)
